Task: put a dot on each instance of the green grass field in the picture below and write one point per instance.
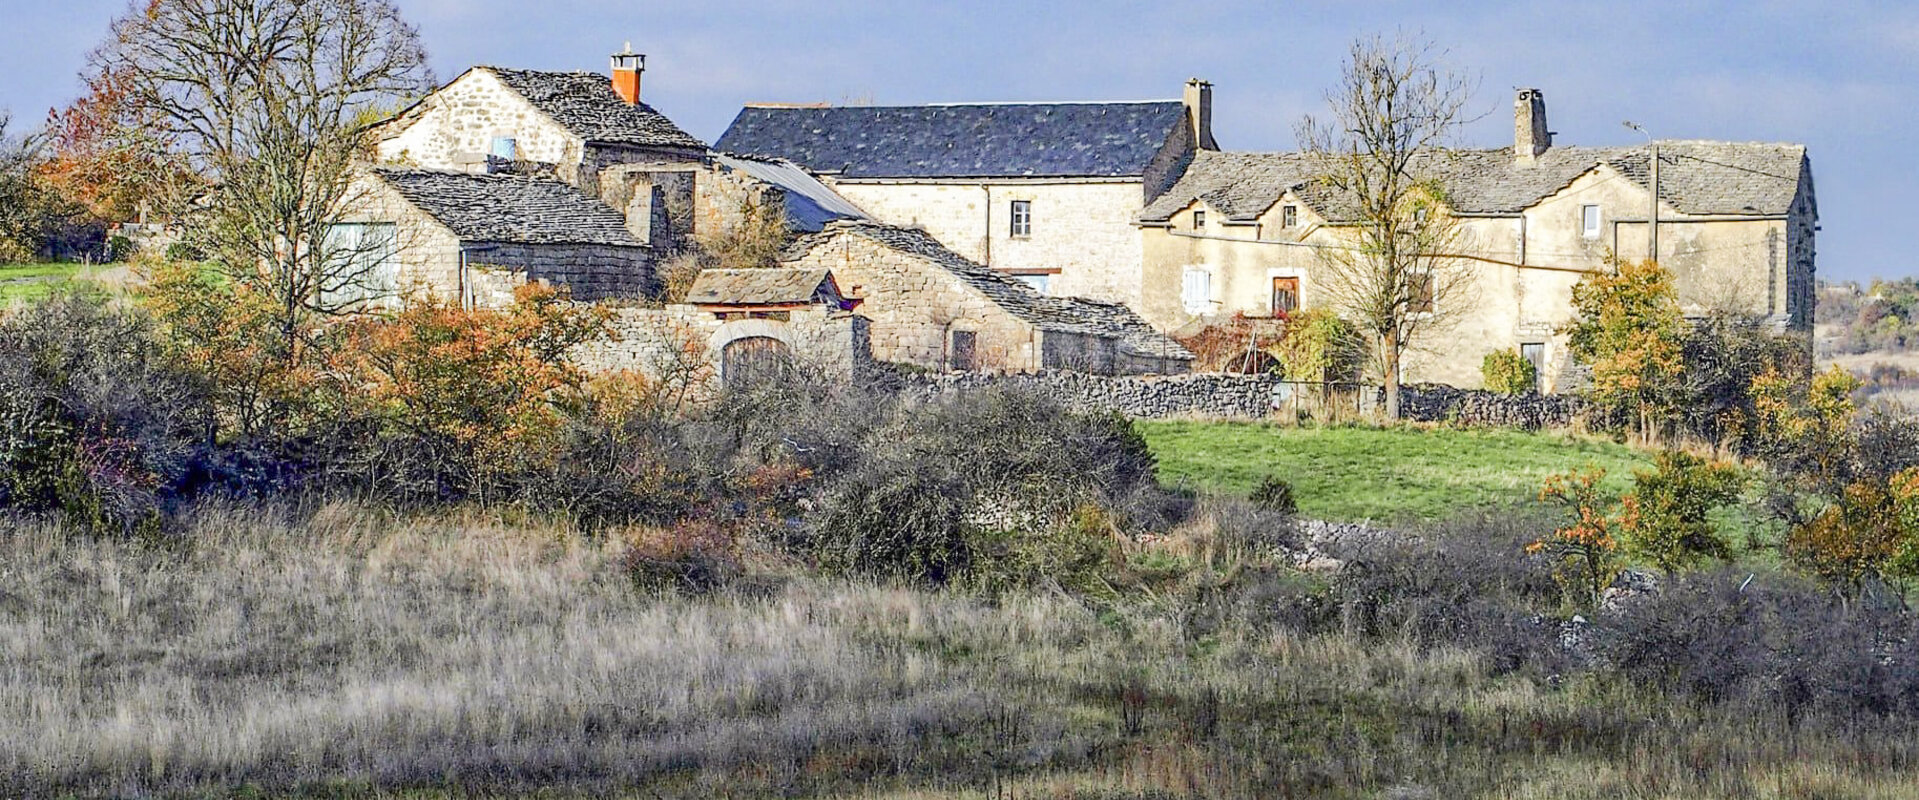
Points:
(29, 282)
(1389, 475)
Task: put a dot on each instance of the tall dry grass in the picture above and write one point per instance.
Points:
(351, 652)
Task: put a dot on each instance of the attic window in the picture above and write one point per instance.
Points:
(1199, 221)
(505, 147)
(1289, 216)
(1589, 221)
(1022, 219)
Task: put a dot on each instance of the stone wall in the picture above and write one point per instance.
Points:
(683, 342)
(460, 122)
(592, 272)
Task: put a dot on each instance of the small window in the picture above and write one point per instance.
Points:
(1420, 295)
(1199, 221)
(1289, 216)
(506, 147)
(1197, 291)
(1040, 283)
(1589, 221)
(1022, 219)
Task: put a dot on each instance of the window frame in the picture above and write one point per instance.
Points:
(1592, 221)
(1187, 296)
(1020, 219)
(1199, 220)
(1424, 299)
(1289, 216)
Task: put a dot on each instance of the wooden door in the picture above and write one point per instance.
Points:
(752, 359)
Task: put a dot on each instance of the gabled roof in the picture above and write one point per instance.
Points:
(585, 103)
(809, 203)
(1105, 140)
(508, 208)
(1062, 314)
(772, 286)
(1701, 178)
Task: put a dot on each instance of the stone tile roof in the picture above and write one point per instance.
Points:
(809, 203)
(510, 208)
(1062, 314)
(961, 141)
(762, 287)
(585, 103)
(1701, 178)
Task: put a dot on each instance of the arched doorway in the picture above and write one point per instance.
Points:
(753, 358)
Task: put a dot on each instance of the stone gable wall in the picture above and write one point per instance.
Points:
(1083, 230)
(466, 115)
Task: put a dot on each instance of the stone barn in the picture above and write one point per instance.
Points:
(932, 307)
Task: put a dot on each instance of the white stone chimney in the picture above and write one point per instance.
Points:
(1530, 135)
(1199, 109)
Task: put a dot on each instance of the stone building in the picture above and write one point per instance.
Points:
(474, 238)
(932, 307)
(1240, 234)
(1045, 192)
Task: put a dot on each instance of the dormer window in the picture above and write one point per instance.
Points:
(505, 148)
(1289, 216)
(1589, 221)
(1199, 221)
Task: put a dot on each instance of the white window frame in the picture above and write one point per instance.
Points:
(1286, 272)
(1289, 216)
(1021, 213)
(1592, 221)
(1196, 290)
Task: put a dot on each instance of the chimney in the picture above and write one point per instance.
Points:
(1530, 136)
(1199, 109)
(627, 67)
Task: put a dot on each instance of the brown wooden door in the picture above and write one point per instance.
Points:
(1285, 295)
(752, 359)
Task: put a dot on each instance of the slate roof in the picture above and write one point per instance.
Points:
(761, 287)
(585, 103)
(1102, 140)
(1695, 177)
(1062, 314)
(809, 203)
(510, 208)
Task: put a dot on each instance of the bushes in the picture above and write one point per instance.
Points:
(1508, 373)
(1666, 511)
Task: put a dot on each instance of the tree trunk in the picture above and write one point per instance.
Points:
(1390, 353)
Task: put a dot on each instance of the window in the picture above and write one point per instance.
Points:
(1536, 353)
(1420, 300)
(964, 354)
(1022, 218)
(1289, 216)
(1197, 291)
(1285, 296)
(1589, 221)
(505, 147)
(362, 262)
(1040, 283)
(1199, 221)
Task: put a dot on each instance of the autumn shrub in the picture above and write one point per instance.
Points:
(1870, 533)
(1629, 329)
(1509, 373)
(694, 557)
(1318, 345)
(1667, 521)
(1586, 547)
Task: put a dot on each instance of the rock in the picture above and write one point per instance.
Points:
(1627, 587)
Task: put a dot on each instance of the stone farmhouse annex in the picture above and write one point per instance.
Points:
(1027, 236)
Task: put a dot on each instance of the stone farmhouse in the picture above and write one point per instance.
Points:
(1239, 234)
(505, 176)
(1046, 192)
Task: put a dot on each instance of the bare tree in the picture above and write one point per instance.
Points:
(263, 100)
(1390, 119)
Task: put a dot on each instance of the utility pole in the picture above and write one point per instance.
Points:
(1652, 216)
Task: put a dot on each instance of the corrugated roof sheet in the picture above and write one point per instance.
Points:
(510, 208)
(972, 141)
(809, 203)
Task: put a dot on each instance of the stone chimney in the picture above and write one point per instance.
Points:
(1530, 136)
(627, 67)
(1199, 109)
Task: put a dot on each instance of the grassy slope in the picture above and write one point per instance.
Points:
(1400, 474)
(355, 655)
(33, 281)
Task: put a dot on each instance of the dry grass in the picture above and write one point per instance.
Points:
(351, 653)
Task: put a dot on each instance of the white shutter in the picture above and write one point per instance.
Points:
(1197, 293)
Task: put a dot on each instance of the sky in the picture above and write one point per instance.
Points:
(1840, 76)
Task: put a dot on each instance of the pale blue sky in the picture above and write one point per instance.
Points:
(1840, 76)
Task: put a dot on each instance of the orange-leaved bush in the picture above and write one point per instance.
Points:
(1870, 533)
(1588, 547)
